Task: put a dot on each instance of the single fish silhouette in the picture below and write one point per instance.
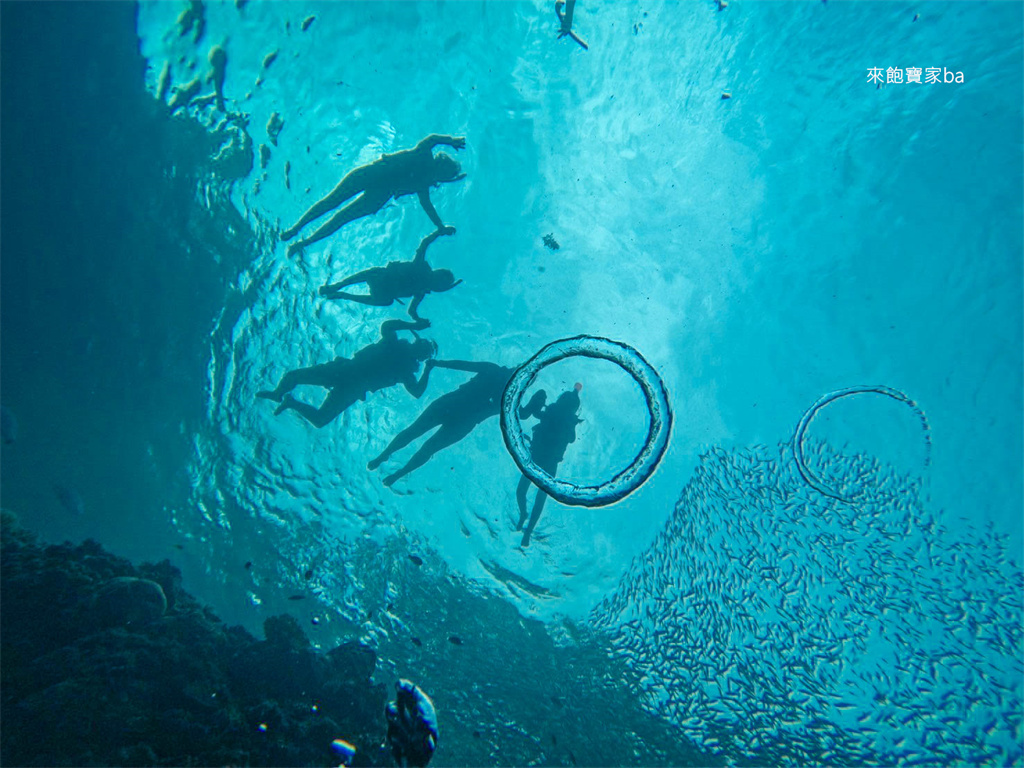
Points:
(69, 498)
(8, 425)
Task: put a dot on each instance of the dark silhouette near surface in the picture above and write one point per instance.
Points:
(456, 413)
(564, 10)
(398, 280)
(386, 363)
(555, 429)
(407, 172)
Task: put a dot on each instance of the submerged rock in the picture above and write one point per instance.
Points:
(127, 600)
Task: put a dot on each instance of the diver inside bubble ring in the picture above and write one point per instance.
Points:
(412, 725)
(659, 428)
(801, 432)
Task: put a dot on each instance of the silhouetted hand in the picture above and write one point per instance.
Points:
(449, 230)
(459, 142)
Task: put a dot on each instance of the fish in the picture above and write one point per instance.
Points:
(296, 597)
(8, 425)
(69, 498)
(416, 559)
(308, 574)
(455, 640)
(417, 642)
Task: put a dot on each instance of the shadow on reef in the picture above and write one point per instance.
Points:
(105, 663)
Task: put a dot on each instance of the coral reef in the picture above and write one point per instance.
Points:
(105, 663)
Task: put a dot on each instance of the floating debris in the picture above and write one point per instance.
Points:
(307, 21)
(726, 95)
(183, 94)
(269, 59)
(163, 83)
(218, 58)
(192, 20)
(274, 126)
(262, 727)
(550, 242)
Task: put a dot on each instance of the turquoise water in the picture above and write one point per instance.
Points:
(809, 233)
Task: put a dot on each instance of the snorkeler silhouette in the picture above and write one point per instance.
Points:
(565, 19)
(456, 413)
(556, 428)
(384, 364)
(398, 280)
(407, 172)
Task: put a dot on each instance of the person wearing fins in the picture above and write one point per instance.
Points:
(386, 363)
(454, 415)
(406, 172)
(554, 431)
(398, 280)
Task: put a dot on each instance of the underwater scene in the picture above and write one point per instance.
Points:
(582, 383)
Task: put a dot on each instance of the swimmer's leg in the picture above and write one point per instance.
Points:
(576, 37)
(332, 407)
(325, 375)
(371, 300)
(426, 421)
(357, 209)
(538, 506)
(443, 438)
(352, 183)
(524, 485)
(359, 277)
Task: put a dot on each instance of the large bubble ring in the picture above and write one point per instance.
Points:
(631, 478)
(801, 432)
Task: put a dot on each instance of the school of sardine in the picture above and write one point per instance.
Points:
(774, 624)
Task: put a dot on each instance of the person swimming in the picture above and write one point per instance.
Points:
(555, 430)
(565, 20)
(398, 280)
(407, 172)
(412, 725)
(457, 413)
(387, 363)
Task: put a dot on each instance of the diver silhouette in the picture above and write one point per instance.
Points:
(457, 413)
(406, 172)
(398, 280)
(555, 429)
(412, 725)
(384, 364)
(565, 20)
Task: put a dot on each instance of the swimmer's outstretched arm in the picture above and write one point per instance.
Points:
(429, 208)
(389, 328)
(455, 142)
(421, 252)
(463, 365)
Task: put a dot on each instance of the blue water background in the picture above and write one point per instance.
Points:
(809, 233)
